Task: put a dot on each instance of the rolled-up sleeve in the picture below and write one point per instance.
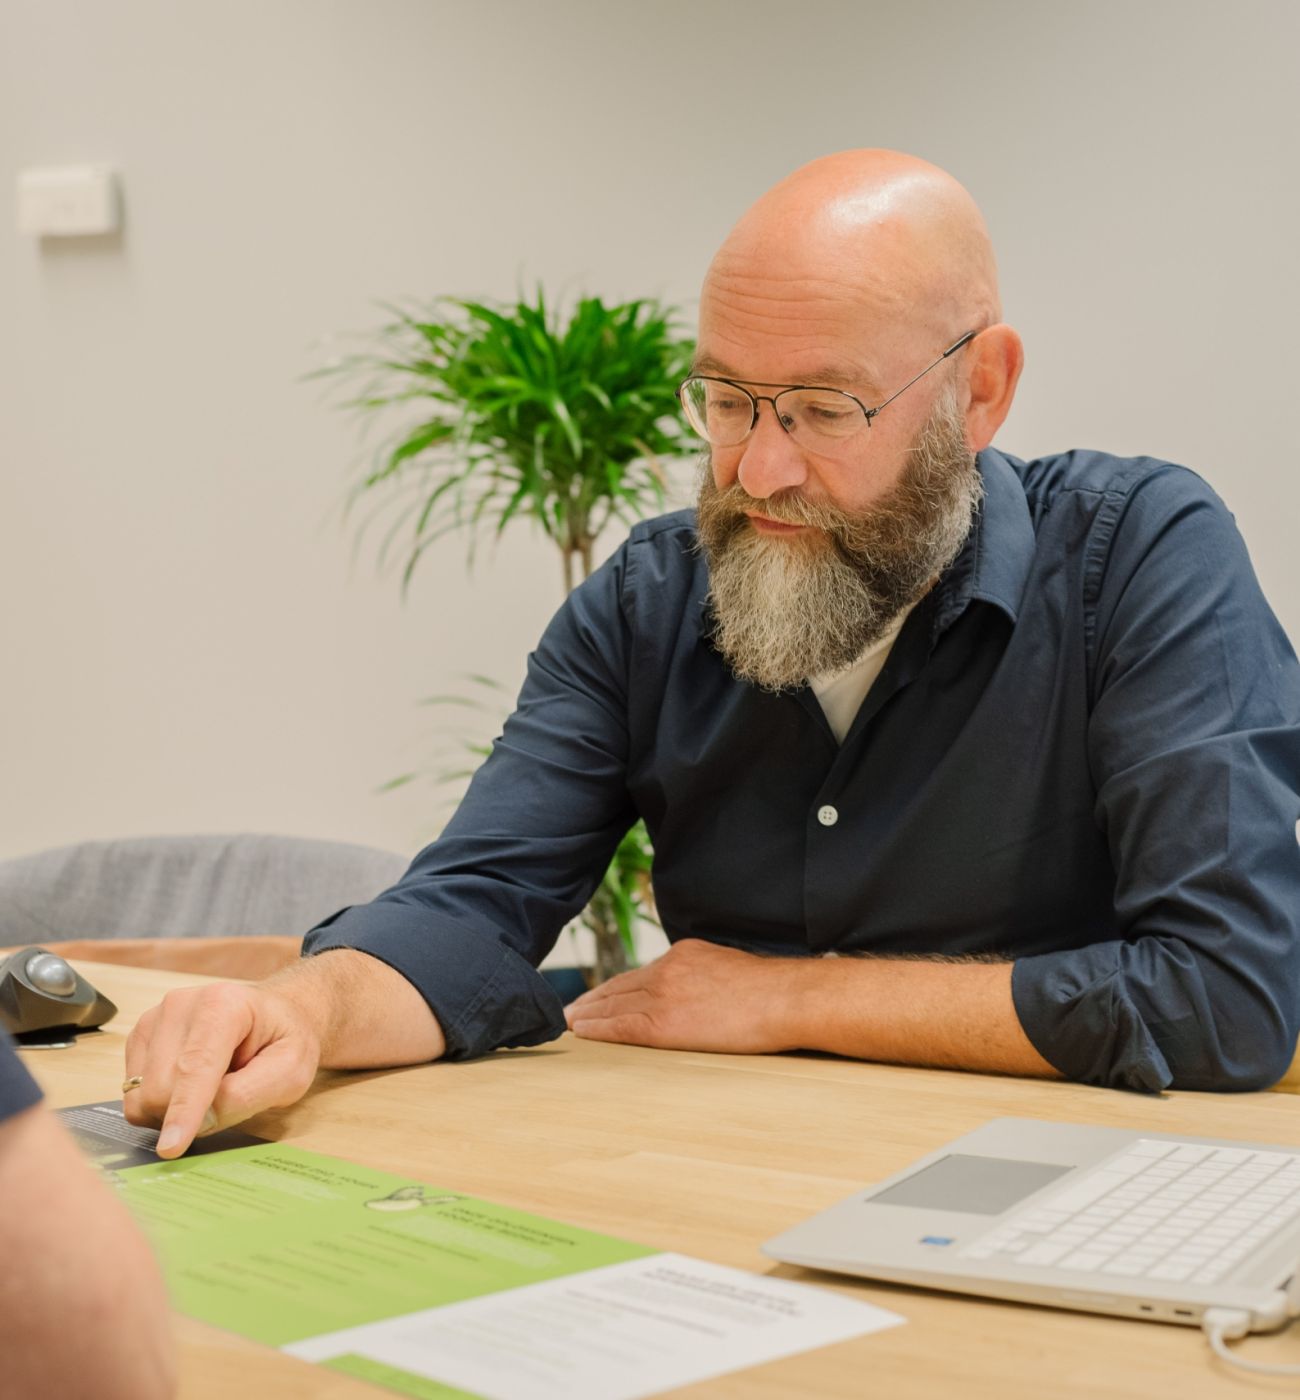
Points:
(480, 907)
(1194, 746)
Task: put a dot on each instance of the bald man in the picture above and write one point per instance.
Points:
(948, 758)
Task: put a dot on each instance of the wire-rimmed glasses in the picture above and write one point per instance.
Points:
(724, 412)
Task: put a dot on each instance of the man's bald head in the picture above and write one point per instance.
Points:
(897, 237)
(856, 271)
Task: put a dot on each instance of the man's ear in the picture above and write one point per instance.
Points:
(997, 357)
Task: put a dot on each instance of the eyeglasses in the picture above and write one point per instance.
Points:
(724, 413)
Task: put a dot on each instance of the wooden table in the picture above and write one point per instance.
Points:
(710, 1155)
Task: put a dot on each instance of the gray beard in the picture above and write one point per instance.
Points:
(787, 609)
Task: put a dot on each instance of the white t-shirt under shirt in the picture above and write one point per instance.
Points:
(841, 693)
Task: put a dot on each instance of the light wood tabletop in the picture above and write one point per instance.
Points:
(709, 1155)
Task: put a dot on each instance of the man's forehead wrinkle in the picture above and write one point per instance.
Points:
(810, 361)
(738, 278)
(869, 299)
(833, 375)
(857, 291)
(797, 325)
(753, 307)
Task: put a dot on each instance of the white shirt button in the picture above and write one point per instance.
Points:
(827, 815)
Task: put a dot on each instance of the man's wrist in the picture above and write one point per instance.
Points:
(364, 1013)
(823, 1002)
(312, 987)
(793, 1000)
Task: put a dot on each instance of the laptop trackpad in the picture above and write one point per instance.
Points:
(975, 1185)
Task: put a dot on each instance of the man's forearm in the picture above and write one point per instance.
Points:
(367, 1015)
(954, 1015)
(702, 996)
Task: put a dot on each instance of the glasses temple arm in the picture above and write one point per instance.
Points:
(951, 350)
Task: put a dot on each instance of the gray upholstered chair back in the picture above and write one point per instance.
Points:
(186, 887)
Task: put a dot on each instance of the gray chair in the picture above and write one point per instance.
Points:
(186, 887)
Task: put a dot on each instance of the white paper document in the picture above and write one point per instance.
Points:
(616, 1333)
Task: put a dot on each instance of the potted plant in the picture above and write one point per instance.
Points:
(526, 415)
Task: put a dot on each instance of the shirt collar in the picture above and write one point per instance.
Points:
(993, 565)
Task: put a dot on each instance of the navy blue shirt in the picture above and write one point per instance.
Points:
(18, 1090)
(1082, 755)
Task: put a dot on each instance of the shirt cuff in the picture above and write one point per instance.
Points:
(1081, 1020)
(483, 993)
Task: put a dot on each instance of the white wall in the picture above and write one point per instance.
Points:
(184, 643)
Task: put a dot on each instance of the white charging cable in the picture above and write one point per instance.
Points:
(1224, 1325)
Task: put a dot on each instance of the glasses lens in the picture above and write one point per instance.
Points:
(720, 413)
(819, 417)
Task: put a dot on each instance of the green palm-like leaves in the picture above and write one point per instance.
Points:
(524, 416)
(623, 897)
(528, 417)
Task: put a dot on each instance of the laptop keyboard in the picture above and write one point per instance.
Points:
(1178, 1212)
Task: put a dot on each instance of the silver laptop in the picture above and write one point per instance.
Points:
(1139, 1224)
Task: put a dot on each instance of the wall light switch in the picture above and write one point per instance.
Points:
(65, 200)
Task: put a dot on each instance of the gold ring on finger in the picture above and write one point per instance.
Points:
(133, 1083)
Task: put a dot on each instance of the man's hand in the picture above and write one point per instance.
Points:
(697, 996)
(211, 1056)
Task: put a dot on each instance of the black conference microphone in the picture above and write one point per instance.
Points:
(43, 998)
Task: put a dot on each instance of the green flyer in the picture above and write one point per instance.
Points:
(438, 1295)
(333, 1244)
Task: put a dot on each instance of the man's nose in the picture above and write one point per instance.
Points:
(772, 460)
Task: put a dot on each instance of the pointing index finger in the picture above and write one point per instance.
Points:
(215, 1033)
